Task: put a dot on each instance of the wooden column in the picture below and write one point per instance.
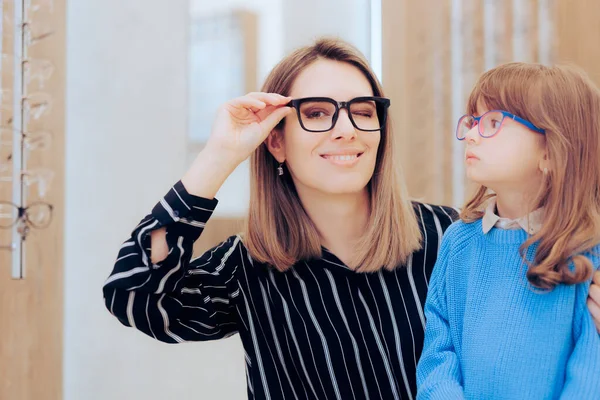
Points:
(418, 77)
(577, 35)
(31, 310)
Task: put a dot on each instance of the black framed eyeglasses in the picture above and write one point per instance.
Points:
(37, 214)
(320, 114)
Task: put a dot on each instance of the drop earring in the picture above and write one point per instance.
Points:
(280, 169)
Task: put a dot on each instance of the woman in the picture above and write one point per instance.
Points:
(327, 283)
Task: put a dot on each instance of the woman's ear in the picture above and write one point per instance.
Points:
(276, 146)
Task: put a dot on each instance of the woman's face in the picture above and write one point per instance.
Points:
(338, 161)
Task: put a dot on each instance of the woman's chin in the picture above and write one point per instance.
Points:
(343, 187)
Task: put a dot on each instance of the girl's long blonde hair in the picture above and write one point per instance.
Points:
(563, 101)
(280, 233)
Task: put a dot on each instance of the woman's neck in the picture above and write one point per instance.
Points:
(340, 219)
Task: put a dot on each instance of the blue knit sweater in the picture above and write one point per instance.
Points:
(491, 335)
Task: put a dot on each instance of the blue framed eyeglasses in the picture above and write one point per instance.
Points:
(489, 124)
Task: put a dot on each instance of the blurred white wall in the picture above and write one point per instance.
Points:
(347, 19)
(126, 115)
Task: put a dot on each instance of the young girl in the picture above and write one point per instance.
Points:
(506, 310)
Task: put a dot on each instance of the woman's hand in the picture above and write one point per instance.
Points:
(242, 124)
(593, 301)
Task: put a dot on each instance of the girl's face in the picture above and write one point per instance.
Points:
(338, 161)
(513, 158)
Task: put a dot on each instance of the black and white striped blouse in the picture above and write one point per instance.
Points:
(316, 331)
